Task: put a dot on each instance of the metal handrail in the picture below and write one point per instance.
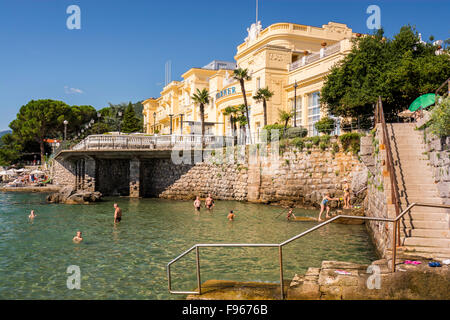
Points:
(446, 82)
(280, 246)
(390, 164)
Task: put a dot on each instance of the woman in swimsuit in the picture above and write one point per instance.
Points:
(324, 204)
(346, 195)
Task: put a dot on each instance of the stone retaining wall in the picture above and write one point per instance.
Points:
(438, 151)
(298, 178)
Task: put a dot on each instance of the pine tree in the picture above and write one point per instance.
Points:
(130, 122)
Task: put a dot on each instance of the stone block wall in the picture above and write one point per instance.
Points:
(438, 151)
(378, 192)
(63, 172)
(299, 178)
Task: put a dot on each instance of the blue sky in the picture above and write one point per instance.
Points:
(120, 52)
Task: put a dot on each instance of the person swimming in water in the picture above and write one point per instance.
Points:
(117, 213)
(231, 216)
(290, 214)
(209, 202)
(326, 199)
(32, 215)
(78, 238)
(197, 204)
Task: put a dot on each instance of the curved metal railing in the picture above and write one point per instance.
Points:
(280, 245)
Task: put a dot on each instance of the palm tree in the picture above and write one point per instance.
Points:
(285, 116)
(242, 75)
(263, 94)
(202, 98)
(232, 111)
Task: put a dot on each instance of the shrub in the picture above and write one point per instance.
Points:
(298, 142)
(296, 132)
(274, 126)
(350, 139)
(315, 140)
(336, 147)
(323, 146)
(309, 145)
(325, 138)
(440, 118)
(325, 125)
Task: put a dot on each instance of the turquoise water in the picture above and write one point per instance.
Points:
(128, 261)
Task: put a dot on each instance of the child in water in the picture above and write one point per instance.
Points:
(290, 215)
(230, 216)
(324, 204)
(32, 215)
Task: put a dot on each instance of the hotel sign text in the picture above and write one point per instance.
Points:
(225, 92)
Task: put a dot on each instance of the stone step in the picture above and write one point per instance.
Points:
(426, 242)
(423, 224)
(417, 193)
(428, 216)
(431, 200)
(426, 233)
(427, 252)
(424, 210)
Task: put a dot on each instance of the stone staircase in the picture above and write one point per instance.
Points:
(425, 230)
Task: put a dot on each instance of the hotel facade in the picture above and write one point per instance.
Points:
(292, 60)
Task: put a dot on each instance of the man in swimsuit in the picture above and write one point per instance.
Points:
(209, 202)
(197, 203)
(117, 213)
(78, 238)
(324, 204)
(346, 188)
(230, 216)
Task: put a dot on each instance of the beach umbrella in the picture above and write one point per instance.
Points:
(3, 173)
(423, 102)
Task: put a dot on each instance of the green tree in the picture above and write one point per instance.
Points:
(263, 94)
(243, 75)
(40, 119)
(202, 98)
(285, 117)
(399, 70)
(9, 149)
(440, 118)
(325, 125)
(130, 122)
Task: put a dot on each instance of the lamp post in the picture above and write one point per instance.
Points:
(295, 103)
(65, 129)
(181, 124)
(154, 122)
(170, 116)
(120, 119)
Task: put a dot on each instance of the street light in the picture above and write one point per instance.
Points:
(120, 121)
(65, 129)
(170, 116)
(295, 103)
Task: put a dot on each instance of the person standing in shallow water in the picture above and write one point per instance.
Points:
(197, 203)
(32, 215)
(209, 202)
(78, 238)
(231, 216)
(117, 213)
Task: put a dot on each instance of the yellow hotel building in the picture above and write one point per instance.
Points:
(278, 57)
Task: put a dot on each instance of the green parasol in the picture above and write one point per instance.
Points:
(423, 101)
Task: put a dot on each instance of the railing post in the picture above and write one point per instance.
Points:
(280, 254)
(199, 282)
(394, 245)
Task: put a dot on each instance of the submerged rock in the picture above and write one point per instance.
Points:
(68, 195)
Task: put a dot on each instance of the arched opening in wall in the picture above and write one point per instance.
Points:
(113, 177)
